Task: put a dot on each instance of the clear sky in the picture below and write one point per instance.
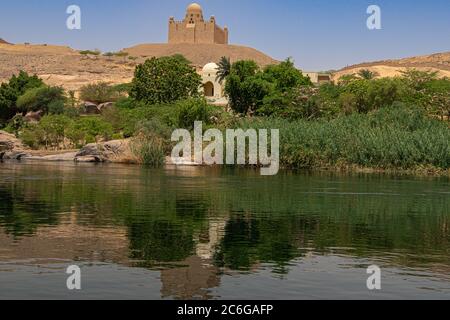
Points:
(318, 34)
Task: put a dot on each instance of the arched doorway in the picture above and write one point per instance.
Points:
(209, 89)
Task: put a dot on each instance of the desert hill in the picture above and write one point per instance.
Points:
(201, 54)
(389, 68)
(63, 66)
(3, 41)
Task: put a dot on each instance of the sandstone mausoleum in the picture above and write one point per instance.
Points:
(194, 29)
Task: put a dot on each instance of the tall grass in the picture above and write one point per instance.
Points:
(149, 150)
(390, 138)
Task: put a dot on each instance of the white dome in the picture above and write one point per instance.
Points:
(210, 67)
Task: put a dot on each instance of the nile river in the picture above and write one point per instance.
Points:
(211, 233)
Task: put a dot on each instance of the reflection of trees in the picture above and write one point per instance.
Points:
(249, 240)
(160, 241)
(241, 220)
(169, 238)
(22, 213)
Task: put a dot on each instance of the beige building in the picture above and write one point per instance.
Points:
(194, 29)
(212, 88)
(317, 77)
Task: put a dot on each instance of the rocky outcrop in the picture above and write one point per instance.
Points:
(33, 117)
(11, 147)
(105, 106)
(118, 151)
(90, 108)
(111, 151)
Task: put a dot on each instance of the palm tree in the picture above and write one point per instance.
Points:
(224, 69)
(366, 74)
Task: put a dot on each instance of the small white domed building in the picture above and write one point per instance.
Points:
(212, 88)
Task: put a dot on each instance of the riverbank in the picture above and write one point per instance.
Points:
(393, 141)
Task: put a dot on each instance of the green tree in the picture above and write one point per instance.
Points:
(224, 69)
(100, 92)
(366, 74)
(164, 80)
(245, 88)
(10, 92)
(41, 98)
(285, 76)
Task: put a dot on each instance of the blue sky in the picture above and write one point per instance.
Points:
(318, 34)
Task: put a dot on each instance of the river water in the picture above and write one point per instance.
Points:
(220, 233)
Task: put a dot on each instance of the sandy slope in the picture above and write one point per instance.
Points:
(66, 67)
(389, 68)
(63, 66)
(200, 54)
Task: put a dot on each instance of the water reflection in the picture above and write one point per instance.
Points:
(195, 225)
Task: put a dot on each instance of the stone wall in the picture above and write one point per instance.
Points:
(200, 32)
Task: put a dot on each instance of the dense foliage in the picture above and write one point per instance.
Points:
(11, 91)
(165, 80)
(361, 120)
(250, 89)
(393, 137)
(102, 92)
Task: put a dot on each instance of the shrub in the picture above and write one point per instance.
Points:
(192, 110)
(41, 98)
(56, 107)
(164, 80)
(33, 136)
(100, 93)
(10, 92)
(152, 142)
(53, 127)
(90, 52)
(94, 128)
(149, 149)
(250, 89)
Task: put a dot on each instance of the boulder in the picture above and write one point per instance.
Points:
(105, 106)
(66, 156)
(33, 117)
(13, 155)
(87, 159)
(9, 142)
(90, 108)
(111, 151)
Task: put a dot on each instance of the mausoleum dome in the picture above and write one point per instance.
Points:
(210, 68)
(194, 8)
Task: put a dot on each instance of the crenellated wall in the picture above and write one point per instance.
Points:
(193, 29)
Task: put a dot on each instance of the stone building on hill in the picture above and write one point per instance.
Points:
(194, 29)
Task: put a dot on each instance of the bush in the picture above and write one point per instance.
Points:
(56, 107)
(94, 128)
(11, 91)
(41, 98)
(53, 128)
(164, 80)
(192, 110)
(90, 52)
(152, 142)
(149, 149)
(100, 93)
(252, 90)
